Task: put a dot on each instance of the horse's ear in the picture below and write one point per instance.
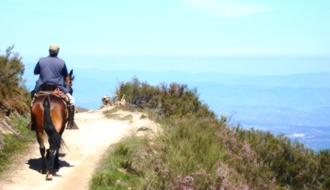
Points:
(71, 75)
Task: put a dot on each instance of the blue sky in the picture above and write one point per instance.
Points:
(195, 35)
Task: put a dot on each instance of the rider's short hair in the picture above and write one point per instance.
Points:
(53, 50)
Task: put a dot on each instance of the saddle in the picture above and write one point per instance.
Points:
(49, 88)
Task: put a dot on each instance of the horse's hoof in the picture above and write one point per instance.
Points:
(43, 171)
(49, 177)
(72, 126)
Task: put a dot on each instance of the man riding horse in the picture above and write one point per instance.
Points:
(53, 70)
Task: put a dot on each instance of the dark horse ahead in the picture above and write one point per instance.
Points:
(50, 114)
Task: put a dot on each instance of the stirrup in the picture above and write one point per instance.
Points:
(72, 125)
(30, 126)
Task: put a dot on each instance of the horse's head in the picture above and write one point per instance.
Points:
(69, 78)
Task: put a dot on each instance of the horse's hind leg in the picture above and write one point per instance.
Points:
(42, 152)
(49, 174)
(48, 154)
(56, 161)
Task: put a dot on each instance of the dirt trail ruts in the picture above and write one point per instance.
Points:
(85, 148)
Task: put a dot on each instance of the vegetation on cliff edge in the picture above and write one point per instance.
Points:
(14, 108)
(198, 150)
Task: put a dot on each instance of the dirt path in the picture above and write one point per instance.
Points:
(85, 147)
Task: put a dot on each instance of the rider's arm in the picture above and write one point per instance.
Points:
(64, 71)
(37, 69)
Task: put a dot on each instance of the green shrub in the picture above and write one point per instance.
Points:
(175, 101)
(292, 164)
(14, 96)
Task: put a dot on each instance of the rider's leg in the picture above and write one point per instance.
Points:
(71, 123)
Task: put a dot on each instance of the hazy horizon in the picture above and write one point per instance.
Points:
(278, 65)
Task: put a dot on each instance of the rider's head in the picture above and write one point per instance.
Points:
(53, 50)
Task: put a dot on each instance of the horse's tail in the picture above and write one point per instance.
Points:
(54, 138)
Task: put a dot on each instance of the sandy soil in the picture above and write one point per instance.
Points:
(86, 147)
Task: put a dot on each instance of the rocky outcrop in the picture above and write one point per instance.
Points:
(106, 101)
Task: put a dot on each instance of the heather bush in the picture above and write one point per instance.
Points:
(11, 69)
(323, 174)
(174, 101)
(14, 96)
(292, 164)
(203, 149)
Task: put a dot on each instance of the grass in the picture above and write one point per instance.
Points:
(143, 116)
(115, 171)
(143, 128)
(112, 116)
(127, 117)
(15, 144)
(113, 110)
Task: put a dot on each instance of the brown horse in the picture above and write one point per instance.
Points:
(50, 114)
